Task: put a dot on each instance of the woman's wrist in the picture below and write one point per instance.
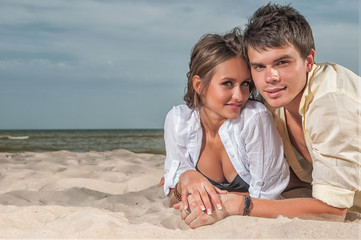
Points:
(177, 194)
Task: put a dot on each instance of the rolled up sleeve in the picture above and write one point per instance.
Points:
(177, 157)
(334, 145)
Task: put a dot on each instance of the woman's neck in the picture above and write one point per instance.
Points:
(210, 121)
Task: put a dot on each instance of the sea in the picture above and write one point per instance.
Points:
(100, 140)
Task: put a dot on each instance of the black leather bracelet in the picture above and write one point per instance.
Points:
(247, 205)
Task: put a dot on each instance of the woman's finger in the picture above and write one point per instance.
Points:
(185, 194)
(219, 191)
(206, 197)
(212, 191)
(197, 199)
(177, 206)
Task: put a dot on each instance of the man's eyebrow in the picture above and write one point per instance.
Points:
(255, 64)
(282, 58)
(275, 60)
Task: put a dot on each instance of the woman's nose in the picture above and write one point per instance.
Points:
(240, 93)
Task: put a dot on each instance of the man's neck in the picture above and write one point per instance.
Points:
(295, 129)
(293, 107)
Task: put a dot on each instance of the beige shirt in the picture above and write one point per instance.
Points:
(331, 120)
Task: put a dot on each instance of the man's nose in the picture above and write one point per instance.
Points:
(272, 75)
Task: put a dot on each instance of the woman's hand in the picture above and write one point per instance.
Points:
(232, 205)
(195, 184)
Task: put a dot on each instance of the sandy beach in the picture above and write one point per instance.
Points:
(102, 195)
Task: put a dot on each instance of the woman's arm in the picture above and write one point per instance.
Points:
(177, 158)
(179, 167)
(268, 168)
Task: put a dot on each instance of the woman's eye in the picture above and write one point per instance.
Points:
(245, 84)
(228, 83)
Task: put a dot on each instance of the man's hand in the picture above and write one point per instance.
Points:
(195, 217)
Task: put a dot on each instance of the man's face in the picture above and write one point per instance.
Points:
(280, 74)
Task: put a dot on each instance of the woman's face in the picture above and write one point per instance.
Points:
(228, 90)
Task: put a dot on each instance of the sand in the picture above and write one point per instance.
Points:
(115, 195)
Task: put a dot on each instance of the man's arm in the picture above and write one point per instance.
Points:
(305, 208)
(233, 204)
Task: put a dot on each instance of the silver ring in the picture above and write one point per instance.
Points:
(186, 211)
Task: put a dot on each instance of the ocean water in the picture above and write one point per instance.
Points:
(135, 140)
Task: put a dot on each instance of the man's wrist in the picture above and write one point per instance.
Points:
(247, 205)
(233, 203)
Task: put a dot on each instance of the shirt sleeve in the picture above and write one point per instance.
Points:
(264, 148)
(332, 130)
(177, 158)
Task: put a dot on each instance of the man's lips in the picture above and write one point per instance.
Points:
(275, 92)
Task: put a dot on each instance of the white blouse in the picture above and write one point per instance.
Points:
(252, 143)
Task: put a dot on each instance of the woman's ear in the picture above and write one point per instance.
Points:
(197, 84)
(310, 60)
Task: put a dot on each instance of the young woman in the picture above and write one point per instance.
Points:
(220, 140)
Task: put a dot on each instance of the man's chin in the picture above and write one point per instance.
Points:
(275, 103)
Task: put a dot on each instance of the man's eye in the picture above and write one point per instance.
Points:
(282, 62)
(258, 67)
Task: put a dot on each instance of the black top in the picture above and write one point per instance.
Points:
(237, 185)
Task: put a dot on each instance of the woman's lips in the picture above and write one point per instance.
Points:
(234, 106)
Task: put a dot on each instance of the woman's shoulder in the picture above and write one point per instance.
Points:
(181, 110)
(182, 114)
(253, 107)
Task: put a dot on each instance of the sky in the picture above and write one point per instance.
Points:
(91, 64)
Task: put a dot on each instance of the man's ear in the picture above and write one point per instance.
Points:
(310, 60)
(197, 84)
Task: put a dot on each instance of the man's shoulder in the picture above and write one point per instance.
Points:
(331, 76)
(331, 79)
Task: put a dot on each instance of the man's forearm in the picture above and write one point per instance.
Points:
(305, 208)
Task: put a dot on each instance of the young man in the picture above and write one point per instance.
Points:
(317, 109)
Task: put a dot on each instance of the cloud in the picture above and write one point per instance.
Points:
(73, 56)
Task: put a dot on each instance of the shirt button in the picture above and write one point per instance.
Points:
(259, 184)
(243, 174)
